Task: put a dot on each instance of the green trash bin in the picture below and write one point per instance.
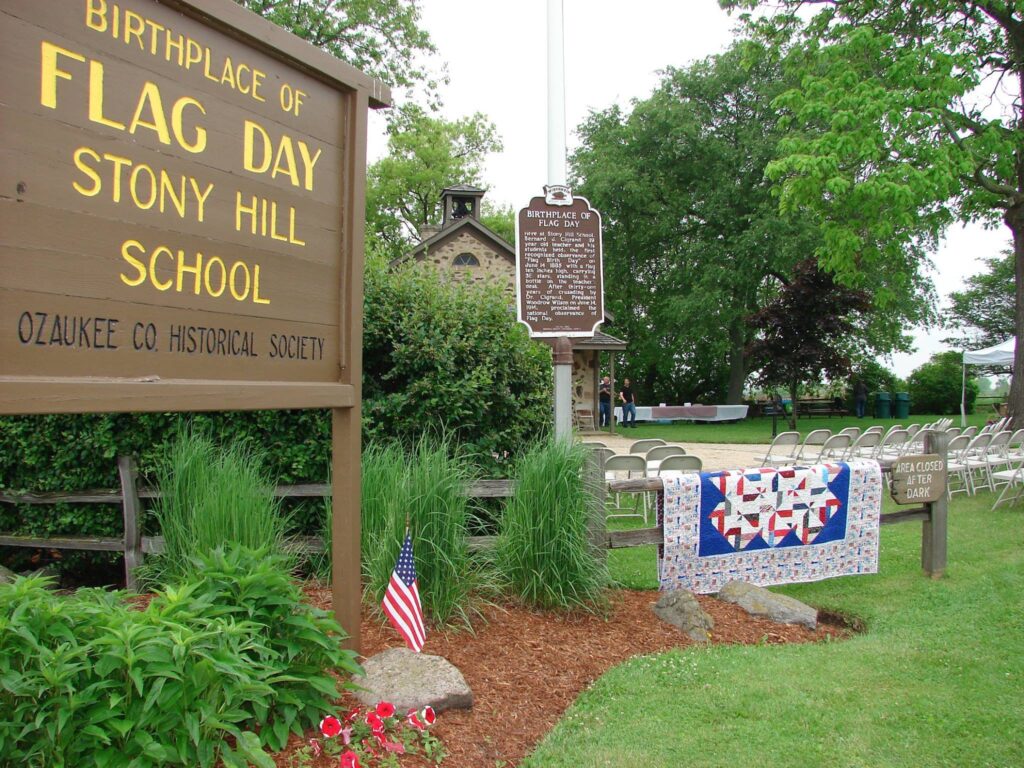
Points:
(901, 406)
(883, 408)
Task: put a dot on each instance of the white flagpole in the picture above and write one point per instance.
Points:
(562, 354)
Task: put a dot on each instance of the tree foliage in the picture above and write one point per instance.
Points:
(807, 331)
(982, 313)
(382, 38)
(694, 241)
(935, 386)
(908, 115)
(425, 155)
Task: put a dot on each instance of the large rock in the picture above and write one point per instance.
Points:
(758, 601)
(681, 609)
(412, 680)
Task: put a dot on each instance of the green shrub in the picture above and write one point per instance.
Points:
(450, 357)
(543, 549)
(934, 387)
(427, 486)
(211, 671)
(211, 497)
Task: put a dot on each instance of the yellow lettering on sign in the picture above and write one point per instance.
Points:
(259, 150)
(210, 276)
(50, 72)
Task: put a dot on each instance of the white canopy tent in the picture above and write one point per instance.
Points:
(1000, 354)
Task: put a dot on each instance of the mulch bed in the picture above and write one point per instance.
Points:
(526, 668)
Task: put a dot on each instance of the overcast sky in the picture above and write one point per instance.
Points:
(496, 57)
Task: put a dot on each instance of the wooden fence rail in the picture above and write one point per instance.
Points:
(135, 546)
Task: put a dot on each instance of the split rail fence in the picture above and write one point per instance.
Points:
(134, 546)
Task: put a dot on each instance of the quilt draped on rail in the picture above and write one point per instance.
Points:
(769, 526)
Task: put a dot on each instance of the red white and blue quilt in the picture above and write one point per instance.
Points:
(770, 525)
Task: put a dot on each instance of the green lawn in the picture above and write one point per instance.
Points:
(937, 678)
(759, 429)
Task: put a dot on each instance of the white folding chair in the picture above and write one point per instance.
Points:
(865, 446)
(659, 452)
(834, 449)
(643, 446)
(680, 464)
(811, 445)
(956, 465)
(783, 450)
(626, 467)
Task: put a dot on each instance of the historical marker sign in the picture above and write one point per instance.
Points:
(176, 215)
(919, 478)
(559, 288)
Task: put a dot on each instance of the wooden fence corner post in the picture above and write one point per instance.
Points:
(933, 530)
(597, 527)
(131, 508)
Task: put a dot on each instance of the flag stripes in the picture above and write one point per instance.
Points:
(401, 601)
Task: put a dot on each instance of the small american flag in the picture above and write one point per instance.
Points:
(402, 600)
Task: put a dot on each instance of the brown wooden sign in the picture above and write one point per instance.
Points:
(559, 284)
(920, 478)
(181, 204)
(182, 192)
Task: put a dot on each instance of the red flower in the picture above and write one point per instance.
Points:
(374, 721)
(413, 719)
(428, 715)
(330, 726)
(349, 760)
(352, 715)
(385, 709)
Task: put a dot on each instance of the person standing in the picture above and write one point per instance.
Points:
(628, 404)
(860, 397)
(604, 401)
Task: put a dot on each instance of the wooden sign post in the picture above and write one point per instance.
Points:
(181, 222)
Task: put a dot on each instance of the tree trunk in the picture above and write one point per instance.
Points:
(1014, 219)
(737, 363)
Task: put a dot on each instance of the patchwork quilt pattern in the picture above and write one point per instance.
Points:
(770, 526)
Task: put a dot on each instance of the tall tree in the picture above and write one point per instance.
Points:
(380, 37)
(909, 115)
(809, 330)
(983, 312)
(425, 155)
(693, 238)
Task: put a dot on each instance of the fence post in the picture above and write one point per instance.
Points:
(132, 529)
(933, 530)
(593, 482)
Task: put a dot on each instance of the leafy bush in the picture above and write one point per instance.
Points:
(450, 357)
(212, 670)
(935, 386)
(211, 497)
(543, 549)
(426, 486)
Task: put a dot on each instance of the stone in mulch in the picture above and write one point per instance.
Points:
(681, 609)
(758, 601)
(412, 680)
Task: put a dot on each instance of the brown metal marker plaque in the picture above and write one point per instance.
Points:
(182, 192)
(920, 478)
(559, 289)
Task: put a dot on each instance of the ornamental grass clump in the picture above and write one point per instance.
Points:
(543, 552)
(427, 487)
(212, 497)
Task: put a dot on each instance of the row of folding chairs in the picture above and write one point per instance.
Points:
(821, 445)
(647, 458)
(984, 461)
